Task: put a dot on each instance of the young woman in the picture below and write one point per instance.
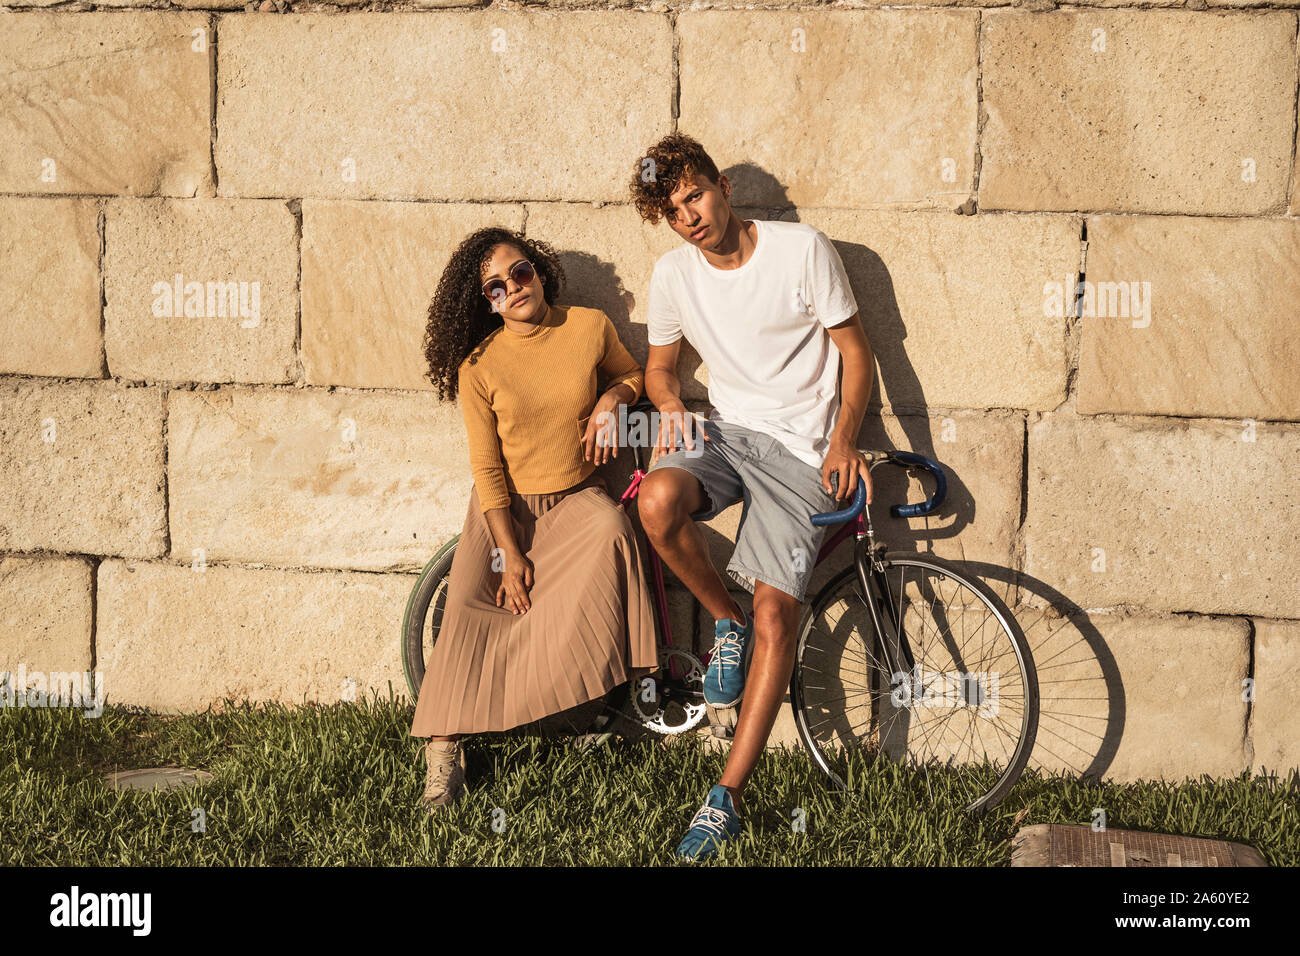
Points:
(547, 606)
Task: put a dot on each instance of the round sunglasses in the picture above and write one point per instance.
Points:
(495, 289)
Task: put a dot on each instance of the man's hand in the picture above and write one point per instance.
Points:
(843, 459)
(676, 423)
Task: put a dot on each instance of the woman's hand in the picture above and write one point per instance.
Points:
(676, 422)
(601, 438)
(516, 579)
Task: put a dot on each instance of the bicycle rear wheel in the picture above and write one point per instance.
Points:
(423, 617)
(949, 691)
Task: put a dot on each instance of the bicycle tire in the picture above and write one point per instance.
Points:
(846, 582)
(417, 610)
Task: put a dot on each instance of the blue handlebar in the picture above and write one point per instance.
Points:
(903, 459)
(940, 485)
(848, 513)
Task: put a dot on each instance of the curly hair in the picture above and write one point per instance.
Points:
(669, 161)
(460, 316)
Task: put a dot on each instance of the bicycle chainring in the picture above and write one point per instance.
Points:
(667, 704)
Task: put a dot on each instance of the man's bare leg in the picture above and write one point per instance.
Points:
(666, 499)
(776, 615)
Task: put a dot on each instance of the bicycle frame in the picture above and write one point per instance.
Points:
(875, 591)
(871, 576)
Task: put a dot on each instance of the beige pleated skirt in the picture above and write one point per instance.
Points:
(590, 626)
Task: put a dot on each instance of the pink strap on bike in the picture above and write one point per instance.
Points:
(631, 489)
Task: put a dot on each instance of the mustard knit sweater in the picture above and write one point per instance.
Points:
(527, 398)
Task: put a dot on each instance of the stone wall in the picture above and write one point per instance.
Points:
(239, 504)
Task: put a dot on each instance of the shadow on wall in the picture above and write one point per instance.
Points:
(595, 284)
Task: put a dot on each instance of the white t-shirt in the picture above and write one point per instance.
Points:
(761, 330)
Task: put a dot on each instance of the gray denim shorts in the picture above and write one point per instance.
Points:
(777, 543)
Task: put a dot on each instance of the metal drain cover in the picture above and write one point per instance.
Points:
(1059, 844)
(158, 778)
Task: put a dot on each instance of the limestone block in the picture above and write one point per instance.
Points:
(106, 102)
(1191, 316)
(200, 291)
(45, 614)
(176, 639)
(1139, 697)
(1137, 111)
(980, 453)
(430, 106)
(1274, 721)
(953, 306)
(81, 468)
(49, 298)
(1165, 514)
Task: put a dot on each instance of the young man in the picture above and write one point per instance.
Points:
(768, 307)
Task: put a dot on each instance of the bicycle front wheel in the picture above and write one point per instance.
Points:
(947, 691)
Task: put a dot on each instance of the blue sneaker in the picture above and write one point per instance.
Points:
(724, 681)
(713, 823)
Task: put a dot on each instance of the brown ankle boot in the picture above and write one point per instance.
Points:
(445, 772)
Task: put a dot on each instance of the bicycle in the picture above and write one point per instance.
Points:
(859, 685)
(869, 669)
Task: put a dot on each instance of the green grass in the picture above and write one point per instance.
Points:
(340, 785)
